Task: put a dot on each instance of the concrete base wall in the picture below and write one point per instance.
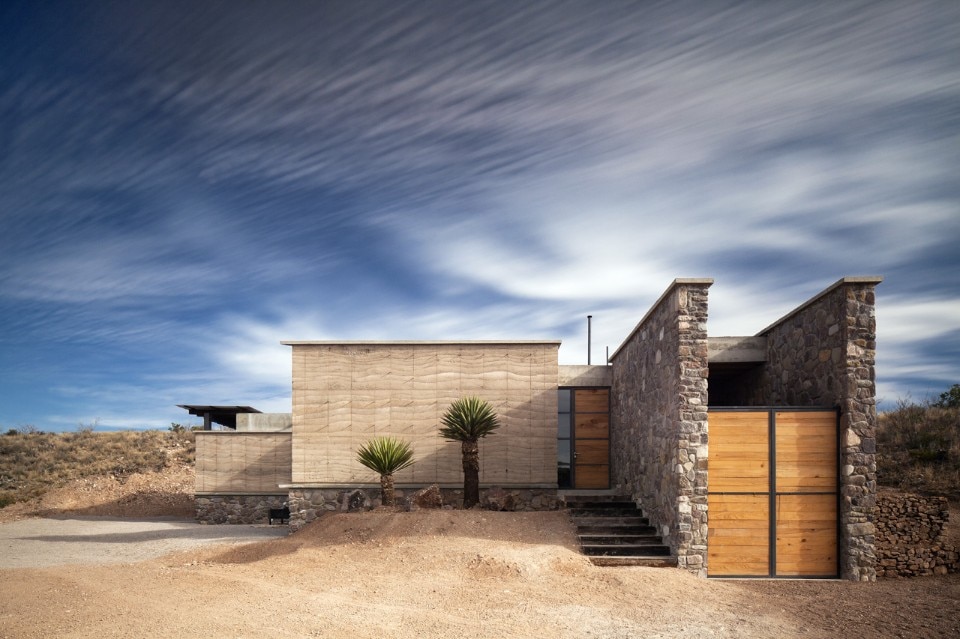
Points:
(237, 509)
(264, 422)
(307, 504)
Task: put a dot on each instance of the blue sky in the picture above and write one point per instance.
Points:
(184, 184)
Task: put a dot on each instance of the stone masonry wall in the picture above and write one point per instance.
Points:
(307, 505)
(659, 419)
(910, 536)
(237, 509)
(823, 354)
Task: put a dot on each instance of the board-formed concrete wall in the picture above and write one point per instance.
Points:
(659, 419)
(230, 463)
(823, 354)
(346, 393)
(261, 422)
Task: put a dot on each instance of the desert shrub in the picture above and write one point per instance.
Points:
(949, 398)
(918, 446)
(32, 463)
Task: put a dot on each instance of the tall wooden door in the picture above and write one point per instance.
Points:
(591, 438)
(773, 493)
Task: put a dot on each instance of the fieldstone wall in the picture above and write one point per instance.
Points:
(823, 355)
(910, 536)
(236, 509)
(307, 504)
(659, 419)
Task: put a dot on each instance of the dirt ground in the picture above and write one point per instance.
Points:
(384, 574)
(447, 574)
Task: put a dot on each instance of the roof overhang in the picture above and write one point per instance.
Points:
(223, 415)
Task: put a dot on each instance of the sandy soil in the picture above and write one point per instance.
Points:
(447, 574)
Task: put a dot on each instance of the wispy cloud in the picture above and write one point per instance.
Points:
(221, 180)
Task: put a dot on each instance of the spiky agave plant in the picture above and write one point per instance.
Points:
(467, 420)
(386, 455)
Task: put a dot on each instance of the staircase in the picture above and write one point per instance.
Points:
(614, 532)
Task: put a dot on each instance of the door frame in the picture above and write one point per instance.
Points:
(573, 433)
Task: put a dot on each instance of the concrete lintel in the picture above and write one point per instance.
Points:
(582, 375)
(843, 281)
(481, 342)
(680, 281)
(406, 486)
(722, 350)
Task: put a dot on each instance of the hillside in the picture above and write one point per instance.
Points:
(918, 446)
(132, 473)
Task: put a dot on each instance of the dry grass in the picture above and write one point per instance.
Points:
(918, 448)
(32, 463)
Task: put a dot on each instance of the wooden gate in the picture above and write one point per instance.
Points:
(773, 493)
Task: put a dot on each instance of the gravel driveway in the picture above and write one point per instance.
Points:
(37, 543)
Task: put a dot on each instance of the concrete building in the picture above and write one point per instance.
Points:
(752, 456)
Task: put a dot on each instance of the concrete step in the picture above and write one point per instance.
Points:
(626, 550)
(616, 539)
(648, 562)
(573, 500)
(618, 531)
(613, 532)
(594, 520)
(626, 511)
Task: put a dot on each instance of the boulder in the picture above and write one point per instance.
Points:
(499, 499)
(429, 497)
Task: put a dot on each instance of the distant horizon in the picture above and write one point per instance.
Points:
(184, 185)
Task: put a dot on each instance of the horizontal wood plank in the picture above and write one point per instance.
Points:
(591, 400)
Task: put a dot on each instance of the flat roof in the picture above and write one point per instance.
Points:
(223, 415)
(201, 409)
(415, 342)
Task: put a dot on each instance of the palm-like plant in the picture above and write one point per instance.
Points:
(466, 421)
(386, 455)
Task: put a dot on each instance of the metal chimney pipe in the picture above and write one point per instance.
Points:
(589, 320)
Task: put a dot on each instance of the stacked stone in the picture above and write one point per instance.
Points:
(306, 505)
(237, 509)
(659, 407)
(909, 536)
(823, 354)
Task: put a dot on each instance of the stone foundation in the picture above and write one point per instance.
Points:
(307, 504)
(909, 532)
(237, 509)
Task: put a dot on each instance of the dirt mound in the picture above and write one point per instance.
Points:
(464, 574)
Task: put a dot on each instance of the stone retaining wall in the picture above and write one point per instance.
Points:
(306, 504)
(236, 509)
(909, 536)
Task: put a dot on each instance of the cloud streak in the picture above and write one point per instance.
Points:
(184, 186)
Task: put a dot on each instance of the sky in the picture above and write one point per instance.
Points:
(185, 184)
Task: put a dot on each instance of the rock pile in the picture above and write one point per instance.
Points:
(909, 531)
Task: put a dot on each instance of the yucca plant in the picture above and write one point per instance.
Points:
(386, 455)
(467, 420)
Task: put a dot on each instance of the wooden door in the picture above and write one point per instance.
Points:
(591, 443)
(773, 493)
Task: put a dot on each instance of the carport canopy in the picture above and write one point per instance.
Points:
(224, 415)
